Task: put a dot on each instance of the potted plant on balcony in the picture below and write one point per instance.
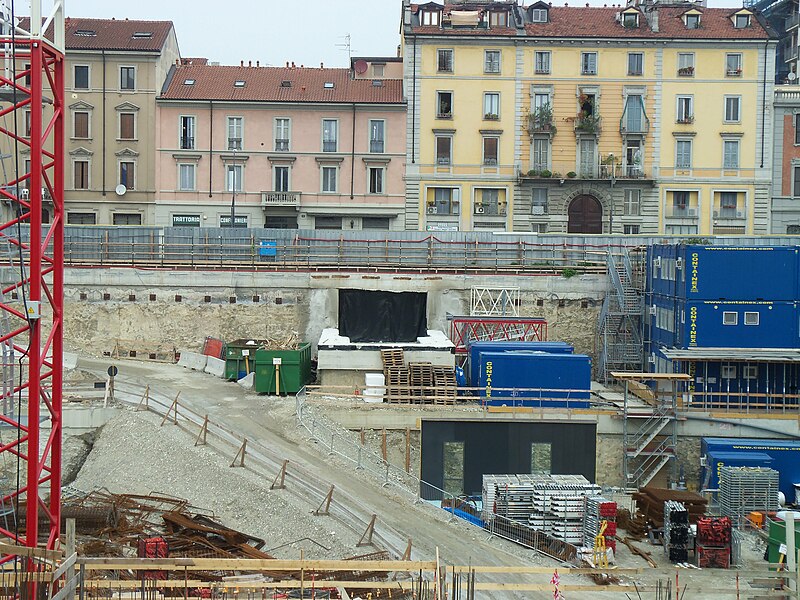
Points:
(491, 116)
(686, 120)
(686, 71)
(541, 120)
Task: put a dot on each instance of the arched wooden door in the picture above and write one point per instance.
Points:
(585, 215)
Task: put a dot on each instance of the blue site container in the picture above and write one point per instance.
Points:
(476, 348)
(565, 377)
(663, 315)
(662, 269)
(714, 461)
(726, 272)
(785, 455)
(739, 324)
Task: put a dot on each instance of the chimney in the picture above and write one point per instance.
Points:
(258, 63)
(241, 63)
(287, 64)
(250, 62)
(293, 64)
(321, 65)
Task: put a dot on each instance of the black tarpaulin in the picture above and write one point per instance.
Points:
(382, 316)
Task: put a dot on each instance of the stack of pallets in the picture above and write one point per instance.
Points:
(445, 386)
(421, 379)
(396, 375)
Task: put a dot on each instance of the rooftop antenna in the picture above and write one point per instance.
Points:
(346, 46)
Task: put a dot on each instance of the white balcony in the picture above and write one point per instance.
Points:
(269, 199)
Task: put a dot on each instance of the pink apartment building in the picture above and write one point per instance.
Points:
(283, 147)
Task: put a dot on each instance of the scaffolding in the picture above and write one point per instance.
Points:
(620, 324)
(649, 428)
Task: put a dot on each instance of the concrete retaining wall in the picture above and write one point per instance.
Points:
(152, 313)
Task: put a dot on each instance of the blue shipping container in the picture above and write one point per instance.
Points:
(739, 324)
(714, 461)
(475, 348)
(727, 272)
(662, 319)
(535, 379)
(785, 455)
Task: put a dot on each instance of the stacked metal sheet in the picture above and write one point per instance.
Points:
(743, 490)
(676, 532)
(549, 503)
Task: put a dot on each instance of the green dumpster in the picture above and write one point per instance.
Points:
(777, 538)
(236, 366)
(294, 367)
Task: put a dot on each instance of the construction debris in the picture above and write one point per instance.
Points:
(650, 502)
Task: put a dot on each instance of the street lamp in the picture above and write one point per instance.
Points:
(233, 194)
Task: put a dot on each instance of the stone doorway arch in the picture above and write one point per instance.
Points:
(585, 215)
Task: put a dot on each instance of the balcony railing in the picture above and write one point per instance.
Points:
(234, 143)
(681, 212)
(792, 21)
(686, 72)
(281, 145)
(492, 210)
(187, 143)
(603, 169)
(634, 127)
(280, 199)
(329, 146)
(376, 146)
(729, 213)
(588, 124)
(735, 72)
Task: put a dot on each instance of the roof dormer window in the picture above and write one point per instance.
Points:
(498, 18)
(86, 33)
(188, 82)
(538, 15)
(741, 21)
(692, 20)
(238, 83)
(286, 83)
(630, 20)
(142, 35)
(328, 85)
(430, 17)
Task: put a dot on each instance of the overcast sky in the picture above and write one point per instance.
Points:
(273, 31)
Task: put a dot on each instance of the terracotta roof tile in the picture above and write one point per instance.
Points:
(600, 22)
(263, 84)
(116, 34)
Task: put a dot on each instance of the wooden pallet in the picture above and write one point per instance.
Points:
(422, 381)
(392, 357)
(397, 382)
(445, 386)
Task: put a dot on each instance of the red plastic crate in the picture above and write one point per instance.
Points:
(713, 558)
(608, 509)
(611, 528)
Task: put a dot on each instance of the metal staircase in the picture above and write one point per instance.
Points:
(619, 326)
(649, 428)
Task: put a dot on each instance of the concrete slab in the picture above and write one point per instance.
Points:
(193, 360)
(216, 367)
(70, 361)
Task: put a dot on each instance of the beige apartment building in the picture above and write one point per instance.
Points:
(115, 69)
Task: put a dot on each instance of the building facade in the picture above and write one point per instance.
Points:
(648, 119)
(114, 70)
(282, 147)
(785, 212)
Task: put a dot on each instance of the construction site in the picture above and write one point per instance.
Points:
(258, 413)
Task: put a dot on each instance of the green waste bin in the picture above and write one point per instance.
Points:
(236, 366)
(777, 538)
(295, 369)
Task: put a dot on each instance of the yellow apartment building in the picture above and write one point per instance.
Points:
(645, 119)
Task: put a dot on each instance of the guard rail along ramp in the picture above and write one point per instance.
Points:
(264, 460)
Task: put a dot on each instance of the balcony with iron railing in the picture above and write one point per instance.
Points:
(187, 143)
(234, 143)
(329, 146)
(492, 209)
(269, 199)
(376, 146)
(730, 213)
(682, 211)
(588, 124)
(634, 126)
(281, 145)
(606, 168)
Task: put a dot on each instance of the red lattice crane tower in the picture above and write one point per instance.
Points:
(32, 257)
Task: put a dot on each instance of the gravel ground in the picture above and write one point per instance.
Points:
(133, 454)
